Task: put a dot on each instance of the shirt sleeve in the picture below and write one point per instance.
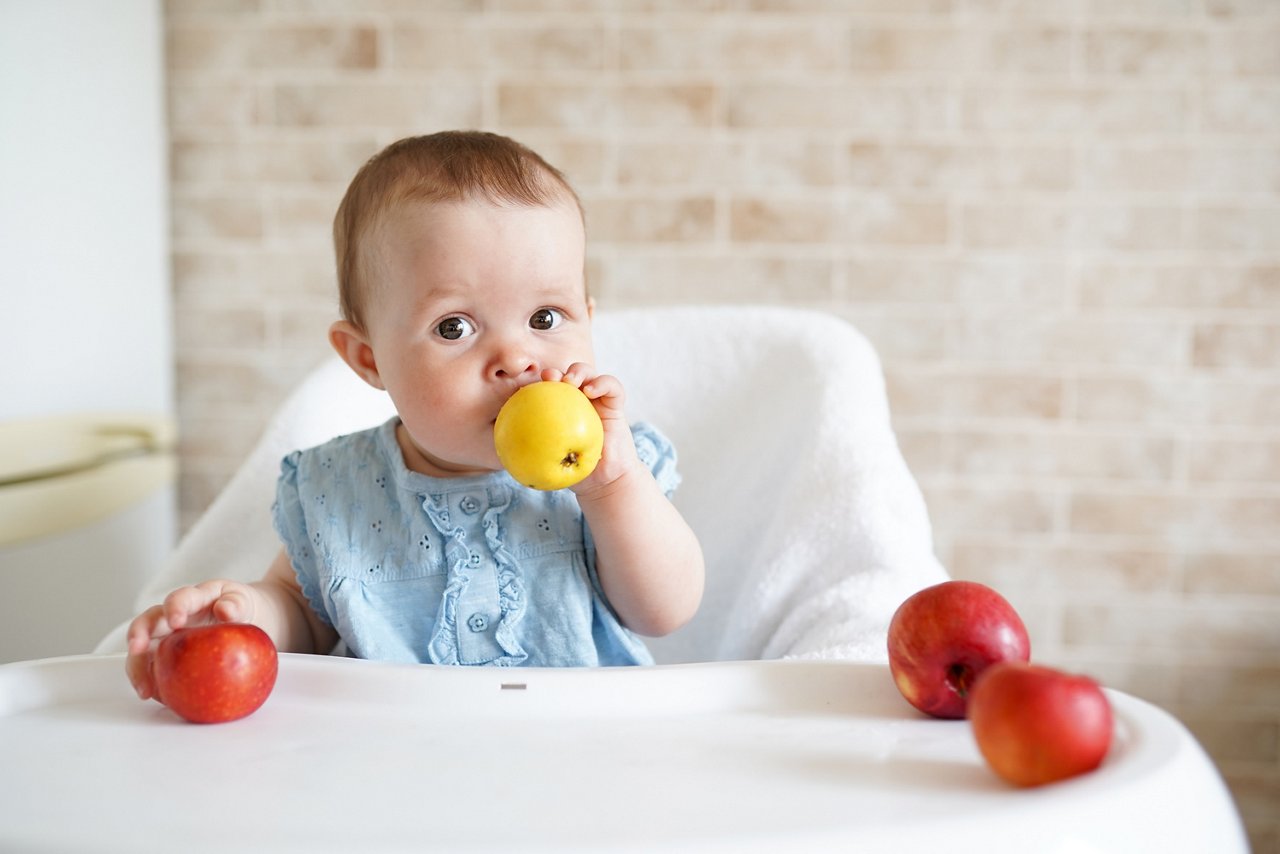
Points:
(658, 455)
(300, 543)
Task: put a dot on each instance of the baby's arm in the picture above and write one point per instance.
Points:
(275, 604)
(648, 559)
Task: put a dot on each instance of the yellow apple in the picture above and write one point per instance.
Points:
(548, 435)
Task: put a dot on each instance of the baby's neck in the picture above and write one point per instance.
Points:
(418, 460)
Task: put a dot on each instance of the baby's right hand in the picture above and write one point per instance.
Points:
(208, 602)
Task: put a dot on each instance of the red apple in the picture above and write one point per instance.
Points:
(942, 637)
(1036, 725)
(215, 673)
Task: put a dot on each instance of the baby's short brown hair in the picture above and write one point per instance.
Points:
(449, 166)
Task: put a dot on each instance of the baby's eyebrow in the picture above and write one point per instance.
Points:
(432, 294)
(557, 290)
(441, 292)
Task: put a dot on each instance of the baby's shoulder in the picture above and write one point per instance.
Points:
(656, 453)
(352, 450)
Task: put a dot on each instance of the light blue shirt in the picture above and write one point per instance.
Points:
(468, 570)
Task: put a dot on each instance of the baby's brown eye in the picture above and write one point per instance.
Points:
(453, 328)
(545, 318)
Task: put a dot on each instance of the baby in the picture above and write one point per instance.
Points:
(460, 261)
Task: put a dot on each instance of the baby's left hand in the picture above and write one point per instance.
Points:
(607, 395)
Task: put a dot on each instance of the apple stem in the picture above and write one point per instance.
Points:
(960, 676)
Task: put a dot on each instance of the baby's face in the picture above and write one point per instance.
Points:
(473, 301)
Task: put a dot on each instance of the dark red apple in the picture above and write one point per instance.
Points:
(1036, 725)
(942, 637)
(215, 673)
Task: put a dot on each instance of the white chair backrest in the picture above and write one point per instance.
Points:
(812, 527)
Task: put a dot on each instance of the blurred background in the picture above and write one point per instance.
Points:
(1058, 222)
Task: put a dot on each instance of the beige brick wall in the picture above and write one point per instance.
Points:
(1058, 221)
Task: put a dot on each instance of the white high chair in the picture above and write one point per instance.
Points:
(812, 527)
(813, 531)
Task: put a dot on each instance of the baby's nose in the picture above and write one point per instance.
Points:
(513, 364)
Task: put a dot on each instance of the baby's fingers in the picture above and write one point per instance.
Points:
(575, 375)
(579, 374)
(233, 605)
(606, 388)
(207, 602)
(137, 665)
(144, 627)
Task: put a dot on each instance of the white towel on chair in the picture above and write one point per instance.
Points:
(813, 527)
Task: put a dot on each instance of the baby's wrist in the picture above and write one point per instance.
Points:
(611, 477)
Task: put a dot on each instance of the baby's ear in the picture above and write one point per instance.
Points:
(353, 346)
